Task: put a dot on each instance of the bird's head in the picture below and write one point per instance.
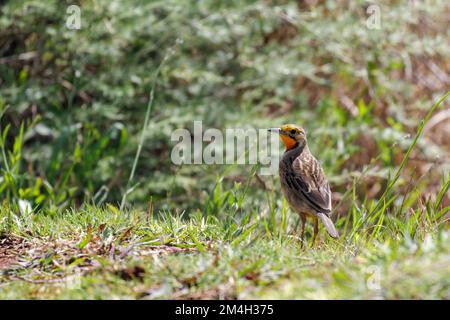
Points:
(291, 135)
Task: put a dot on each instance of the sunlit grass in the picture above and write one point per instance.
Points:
(134, 254)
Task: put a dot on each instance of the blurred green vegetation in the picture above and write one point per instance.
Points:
(81, 95)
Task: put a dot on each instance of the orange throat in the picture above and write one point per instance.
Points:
(288, 142)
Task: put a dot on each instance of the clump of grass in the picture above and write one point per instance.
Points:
(105, 253)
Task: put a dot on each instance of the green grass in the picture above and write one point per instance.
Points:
(100, 253)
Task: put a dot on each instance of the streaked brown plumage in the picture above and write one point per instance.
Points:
(303, 181)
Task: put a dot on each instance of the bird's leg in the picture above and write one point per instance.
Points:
(302, 235)
(316, 230)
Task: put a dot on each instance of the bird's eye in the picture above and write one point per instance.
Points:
(293, 131)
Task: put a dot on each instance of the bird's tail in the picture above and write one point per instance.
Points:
(329, 225)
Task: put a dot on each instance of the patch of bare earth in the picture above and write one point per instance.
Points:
(10, 248)
(39, 260)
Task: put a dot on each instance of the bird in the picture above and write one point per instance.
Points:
(303, 181)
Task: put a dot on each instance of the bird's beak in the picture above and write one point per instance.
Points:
(275, 130)
(279, 131)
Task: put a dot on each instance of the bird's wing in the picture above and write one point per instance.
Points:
(308, 178)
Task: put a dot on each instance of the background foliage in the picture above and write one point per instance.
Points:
(72, 109)
(82, 94)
